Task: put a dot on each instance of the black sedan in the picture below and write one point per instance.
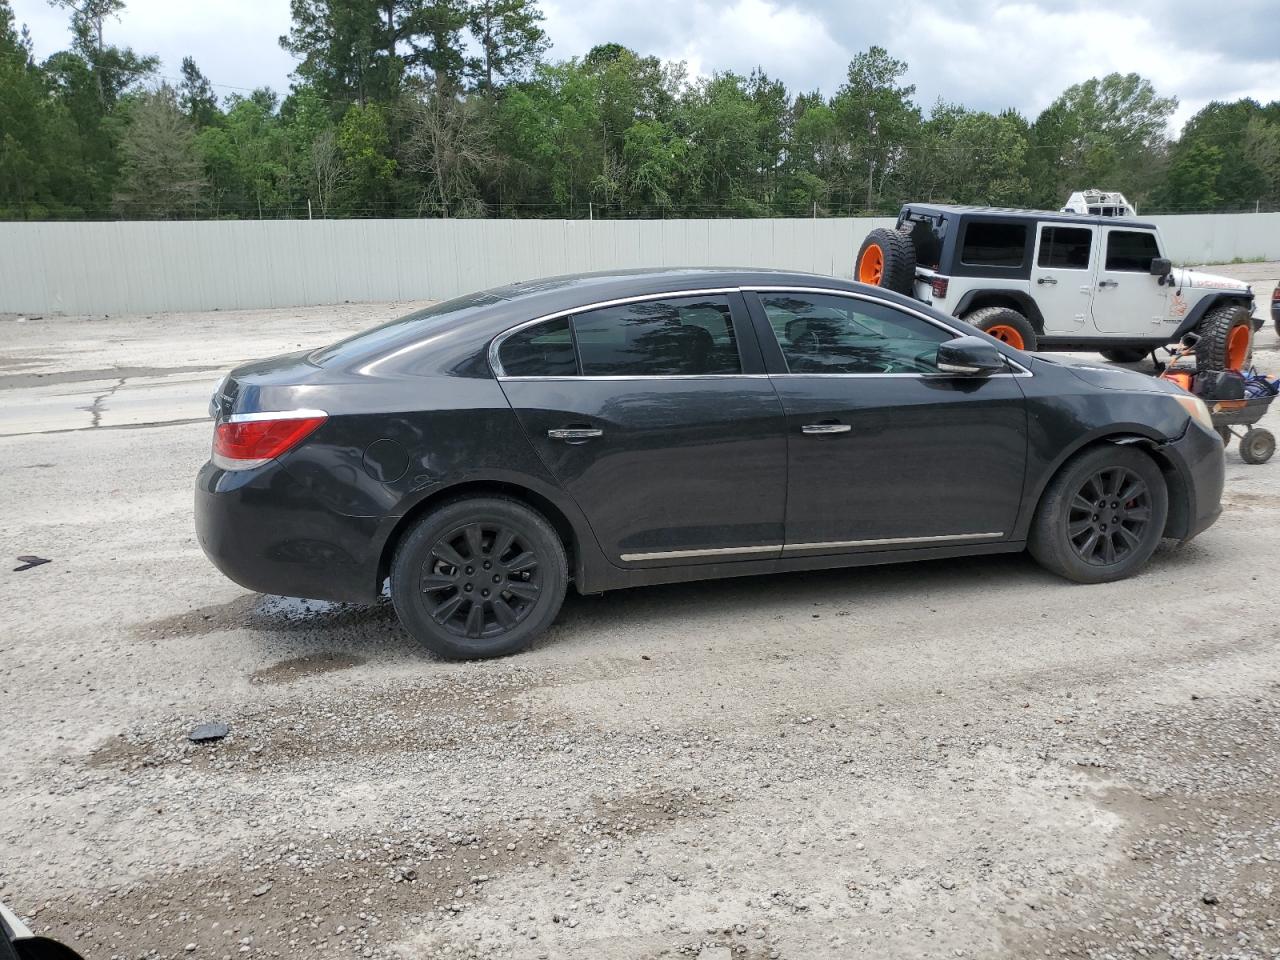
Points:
(636, 428)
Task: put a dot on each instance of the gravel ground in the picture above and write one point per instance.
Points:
(959, 759)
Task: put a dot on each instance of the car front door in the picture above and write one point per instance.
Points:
(885, 451)
(1129, 301)
(1062, 278)
(658, 419)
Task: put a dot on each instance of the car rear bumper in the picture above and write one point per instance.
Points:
(1198, 459)
(264, 530)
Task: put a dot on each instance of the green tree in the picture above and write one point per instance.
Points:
(1109, 133)
(247, 159)
(510, 37)
(161, 175)
(881, 123)
(448, 151)
(348, 48)
(196, 96)
(364, 142)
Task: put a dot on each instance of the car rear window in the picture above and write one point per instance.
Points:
(680, 336)
(544, 350)
(370, 341)
(994, 244)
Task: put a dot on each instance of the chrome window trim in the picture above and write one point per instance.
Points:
(783, 548)
(642, 376)
(496, 365)
(275, 415)
(712, 552)
(1020, 370)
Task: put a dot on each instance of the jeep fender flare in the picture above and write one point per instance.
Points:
(1203, 306)
(1024, 303)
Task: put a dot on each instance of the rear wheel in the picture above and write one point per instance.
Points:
(1124, 354)
(887, 258)
(1226, 338)
(1006, 325)
(1102, 515)
(478, 578)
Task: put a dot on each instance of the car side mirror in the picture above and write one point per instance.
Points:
(1161, 267)
(970, 356)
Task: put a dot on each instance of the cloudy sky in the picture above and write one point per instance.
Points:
(984, 53)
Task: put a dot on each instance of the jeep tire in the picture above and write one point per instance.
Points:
(887, 258)
(1005, 324)
(1226, 338)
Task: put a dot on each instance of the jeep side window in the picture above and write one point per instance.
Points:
(1064, 248)
(1131, 251)
(992, 244)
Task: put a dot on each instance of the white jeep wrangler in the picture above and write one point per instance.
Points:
(1059, 281)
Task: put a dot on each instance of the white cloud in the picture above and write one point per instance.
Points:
(987, 54)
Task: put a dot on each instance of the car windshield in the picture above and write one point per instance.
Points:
(369, 341)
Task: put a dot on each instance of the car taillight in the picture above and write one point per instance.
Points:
(1275, 294)
(939, 285)
(252, 439)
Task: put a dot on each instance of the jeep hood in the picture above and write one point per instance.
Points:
(1199, 280)
(1098, 374)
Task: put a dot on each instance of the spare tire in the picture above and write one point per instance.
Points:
(1226, 338)
(887, 258)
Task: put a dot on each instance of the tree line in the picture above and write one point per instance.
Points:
(403, 108)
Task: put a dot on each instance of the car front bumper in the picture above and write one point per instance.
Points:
(1197, 458)
(266, 531)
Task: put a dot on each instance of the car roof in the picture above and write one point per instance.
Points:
(1014, 213)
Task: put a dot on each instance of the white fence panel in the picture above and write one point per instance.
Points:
(139, 267)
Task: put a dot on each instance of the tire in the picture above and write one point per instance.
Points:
(1257, 445)
(432, 583)
(887, 258)
(1070, 542)
(1226, 338)
(1006, 325)
(1124, 354)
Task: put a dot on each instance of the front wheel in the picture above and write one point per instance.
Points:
(1102, 515)
(478, 578)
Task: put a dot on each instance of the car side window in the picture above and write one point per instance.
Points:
(543, 350)
(1064, 248)
(994, 244)
(1131, 251)
(824, 333)
(677, 336)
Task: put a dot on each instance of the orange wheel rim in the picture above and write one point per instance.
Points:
(1008, 335)
(871, 266)
(1238, 347)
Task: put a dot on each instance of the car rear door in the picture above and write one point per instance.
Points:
(884, 451)
(1129, 301)
(1062, 277)
(656, 415)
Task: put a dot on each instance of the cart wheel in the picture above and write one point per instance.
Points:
(1226, 435)
(1257, 446)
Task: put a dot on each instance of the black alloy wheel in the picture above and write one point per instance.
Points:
(479, 577)
(1101, 516)
(480, 580)
(1108, 516)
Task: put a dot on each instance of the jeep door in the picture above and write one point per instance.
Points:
(1062, 278)
(1128, 300)
(656, 416)
(884, 451)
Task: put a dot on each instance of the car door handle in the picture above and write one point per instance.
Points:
(1102, 284)
(1052, 280)
(823, 429)
(575, 434)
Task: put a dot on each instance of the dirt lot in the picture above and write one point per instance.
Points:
(959, 759)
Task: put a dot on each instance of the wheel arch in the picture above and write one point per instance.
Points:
(1024, 303)
(578, 542)
(1201, 307)
(1177, 522)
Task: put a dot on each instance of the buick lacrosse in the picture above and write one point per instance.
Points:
(617, 430)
